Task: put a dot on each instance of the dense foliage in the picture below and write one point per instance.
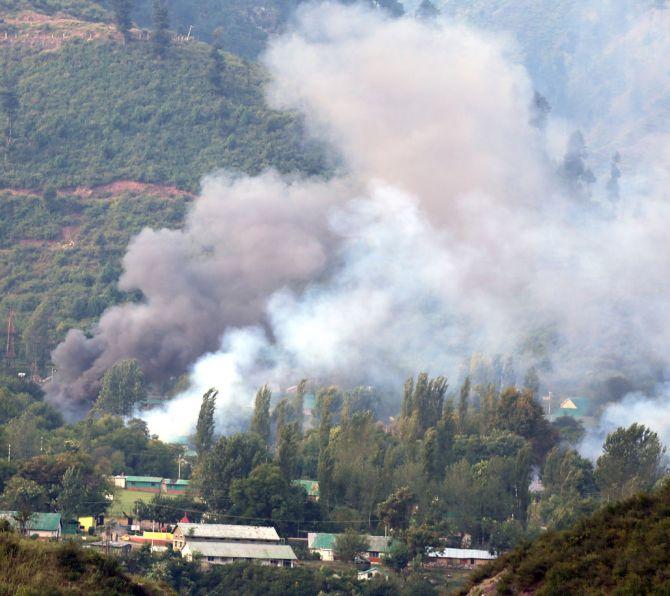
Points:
(623, 549)
(146, 119)
(28, 567)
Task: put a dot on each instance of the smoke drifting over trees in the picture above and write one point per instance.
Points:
(449, 230)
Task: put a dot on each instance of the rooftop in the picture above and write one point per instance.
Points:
(229, 531)
(39, 522)
(241, 550)
(310, 486)
(461, 553)
(326, 541)
(144, 479)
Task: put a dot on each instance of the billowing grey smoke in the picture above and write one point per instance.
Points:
(243, 239)
(452, 231)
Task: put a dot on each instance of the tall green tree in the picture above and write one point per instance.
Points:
(463, 403)
(325, 465)
(520, 413)
(288, 450)
(161, 35)
(631, 462)
(123, 16)
(215, 70)
(260, 423)
(122, 388)
(82, 492)
(204, 429)
(349, 544)
(24, 497)
(396, 511)
(231, 458)
(267, 494)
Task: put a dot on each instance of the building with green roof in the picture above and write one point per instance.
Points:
(45, 526)
(323, 543)
(311, 488)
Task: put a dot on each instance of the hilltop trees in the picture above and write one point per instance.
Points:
(161, 35)
(122, 16)
(631, 462)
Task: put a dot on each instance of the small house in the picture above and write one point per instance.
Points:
(147, 484)
(311, 488)
(324, 544)
(373, 571)
(459, 557)
(174, 487)
(44, 526)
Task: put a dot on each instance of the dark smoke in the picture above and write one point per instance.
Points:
(243, 240)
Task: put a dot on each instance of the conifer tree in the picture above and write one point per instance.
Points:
(161, 36)
(215, 70)
(122, 16)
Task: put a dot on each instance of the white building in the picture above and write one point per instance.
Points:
(220, 553)
(184, 533)
(218, 544)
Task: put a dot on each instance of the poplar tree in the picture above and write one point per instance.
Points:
(204, 430)
(122, 388)
(260, 424)
(463, 405)
(287, 450)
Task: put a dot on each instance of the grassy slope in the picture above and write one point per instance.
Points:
(623, 549)
(29, 567)
(124, 501)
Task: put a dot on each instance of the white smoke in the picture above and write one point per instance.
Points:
(448, 231)
(653, 412)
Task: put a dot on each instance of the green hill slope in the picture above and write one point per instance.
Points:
(94, 112)
(623, 549)
(91, 113)
(28, 567)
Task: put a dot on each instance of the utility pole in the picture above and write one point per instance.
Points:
(9, 452)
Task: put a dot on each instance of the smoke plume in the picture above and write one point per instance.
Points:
(450, 230)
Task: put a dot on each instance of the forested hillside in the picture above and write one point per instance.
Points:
(82, 110)
(60, 256)
(92, 113)
(623, 549)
